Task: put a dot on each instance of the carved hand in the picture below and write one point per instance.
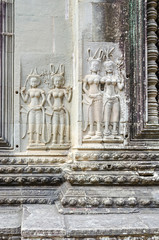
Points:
(68, 89)
(23, 89)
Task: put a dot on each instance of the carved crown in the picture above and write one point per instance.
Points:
(97, 55)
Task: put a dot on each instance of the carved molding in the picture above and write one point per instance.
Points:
(108, 197)
(28, 195)
(87, 202)
(112, 237)
(28, 200)
(32, 160)
(10, 233)
(30, 169)
(93, 200)
(121, 156)
(32, 180)
(8, 237)
(114, 166)
(137, 178)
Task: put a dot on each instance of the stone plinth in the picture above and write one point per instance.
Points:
(44, 222)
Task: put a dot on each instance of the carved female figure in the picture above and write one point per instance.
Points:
(60, 115)
(111, 101)
(34, 110)
(92, 97)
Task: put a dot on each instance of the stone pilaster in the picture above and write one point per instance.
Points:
(152, 57)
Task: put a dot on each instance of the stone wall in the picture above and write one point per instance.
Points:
(79, 128)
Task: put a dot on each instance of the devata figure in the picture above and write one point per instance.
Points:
(113, 81)
(92, 98)
(60, 120)
(34, 111)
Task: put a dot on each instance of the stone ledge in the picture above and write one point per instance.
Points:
(44, 222)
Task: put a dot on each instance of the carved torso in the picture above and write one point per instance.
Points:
(35, 94)
(58, 95)
(93, 82)
(110, 83)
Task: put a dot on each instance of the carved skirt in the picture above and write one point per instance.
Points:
(58, 117)
(111, 109)
(35, 121)
(92, 109)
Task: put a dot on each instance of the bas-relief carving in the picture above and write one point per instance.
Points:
(34, 110)
(92, 97)
(111, 99)
(45, 118)
(102, 107)
(60, 119)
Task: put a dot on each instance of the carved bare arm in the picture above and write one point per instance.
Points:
(68, 94)
(49, 99)
(120, 82)
(85, 88)
(43, 98)
(24, 94)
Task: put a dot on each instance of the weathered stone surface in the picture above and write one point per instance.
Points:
(79, 120)
(111, 12)
(10, 223)
(10, 217)
(44, 221)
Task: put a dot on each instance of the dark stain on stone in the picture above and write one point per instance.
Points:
(109, 21)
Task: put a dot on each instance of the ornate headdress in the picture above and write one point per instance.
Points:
(96, 57)
(34, 74)
(60, 72)
(108, 53)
